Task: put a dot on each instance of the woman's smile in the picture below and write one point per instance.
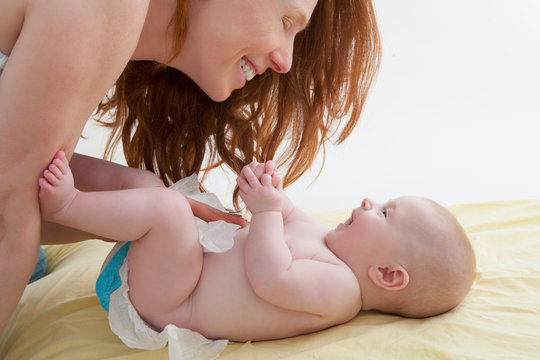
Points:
(247, 69)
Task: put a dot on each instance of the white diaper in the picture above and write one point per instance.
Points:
(215, 236)
(124, 320)
(135, 332)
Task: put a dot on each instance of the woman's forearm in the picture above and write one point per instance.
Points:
(52, 233)
(93, 174)
(19, 245)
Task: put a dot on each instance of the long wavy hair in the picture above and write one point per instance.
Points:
(168, 125)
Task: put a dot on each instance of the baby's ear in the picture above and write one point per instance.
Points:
(389, 277)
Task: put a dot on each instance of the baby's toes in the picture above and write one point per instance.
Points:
(44, 186)
(46, 190)
(62, 156)
(51, 177)
(56, 171)
(61, 166)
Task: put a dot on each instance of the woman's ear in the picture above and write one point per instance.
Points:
(389, 277)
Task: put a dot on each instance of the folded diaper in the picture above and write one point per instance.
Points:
(112, 289)
(215, 236)
(126, 323)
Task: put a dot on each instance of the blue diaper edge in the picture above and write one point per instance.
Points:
(109, 279)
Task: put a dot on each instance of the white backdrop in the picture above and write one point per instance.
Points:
(454, 114)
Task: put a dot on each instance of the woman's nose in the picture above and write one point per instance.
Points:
(281, 56)
(367, 204)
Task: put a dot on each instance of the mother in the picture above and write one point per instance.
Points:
(191, 85)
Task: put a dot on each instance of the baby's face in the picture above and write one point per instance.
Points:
(380, 232)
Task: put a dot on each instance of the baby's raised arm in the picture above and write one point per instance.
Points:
(320, 288)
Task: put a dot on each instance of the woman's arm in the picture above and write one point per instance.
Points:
(93, 174)
(66, 57)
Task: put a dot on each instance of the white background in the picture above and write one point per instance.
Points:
(454, 114)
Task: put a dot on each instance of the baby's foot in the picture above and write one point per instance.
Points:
(56, 188)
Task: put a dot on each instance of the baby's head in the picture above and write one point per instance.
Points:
(410, 255)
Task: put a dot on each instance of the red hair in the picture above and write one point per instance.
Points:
(169, 126)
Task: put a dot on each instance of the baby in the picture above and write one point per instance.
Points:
(286, 274)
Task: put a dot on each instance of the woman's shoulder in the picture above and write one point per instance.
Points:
(114, 16)
(108, 14)
(11, 20)
(69, 53)
(97, 30)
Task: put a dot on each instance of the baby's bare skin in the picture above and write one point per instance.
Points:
(172, 282)
(223, 304)
(286, 274)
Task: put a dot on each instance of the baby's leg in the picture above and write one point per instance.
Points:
(165, 265)
(165, 258)
(122, 215)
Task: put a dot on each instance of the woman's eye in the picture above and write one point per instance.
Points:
(287, 23)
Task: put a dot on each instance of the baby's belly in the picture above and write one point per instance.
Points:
(224, 306)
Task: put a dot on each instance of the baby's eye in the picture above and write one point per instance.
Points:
(384, 212)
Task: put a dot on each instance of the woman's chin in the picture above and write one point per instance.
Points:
(219, 96)
(218, 93)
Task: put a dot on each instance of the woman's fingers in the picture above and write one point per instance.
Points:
(208, 213)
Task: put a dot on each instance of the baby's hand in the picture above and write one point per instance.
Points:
(269, 168)
(259, 194)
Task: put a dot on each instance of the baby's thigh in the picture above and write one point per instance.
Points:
(165, 264)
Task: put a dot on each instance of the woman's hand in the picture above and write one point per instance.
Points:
(208, 213)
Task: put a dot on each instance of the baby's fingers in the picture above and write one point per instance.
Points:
(277, 182)
(266, 180)
(258, 169)
(252, 165)
(242, 184)
(270, 167)
(250, 177)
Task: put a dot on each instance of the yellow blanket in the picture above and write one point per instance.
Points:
(59, 316)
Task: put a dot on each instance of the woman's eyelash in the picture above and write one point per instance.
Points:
(287, 22)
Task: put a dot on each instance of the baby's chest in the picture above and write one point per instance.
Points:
(305, 244)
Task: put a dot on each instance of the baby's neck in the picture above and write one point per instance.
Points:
(375, 298)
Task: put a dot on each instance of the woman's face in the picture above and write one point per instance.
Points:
(230, 41)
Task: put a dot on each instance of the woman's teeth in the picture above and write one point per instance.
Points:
(247, 70)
